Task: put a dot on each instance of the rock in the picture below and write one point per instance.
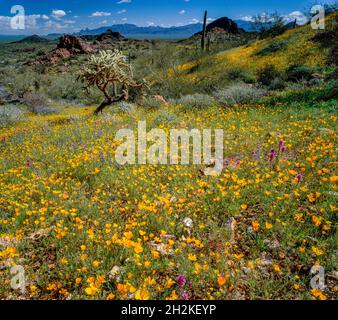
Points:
(272, 244)
(59, 54)
(225, 24)
(115, 273)
(161, 248)
(231, 225)
(74, 45)
(68, 46)
(188, 223)
(110, 35)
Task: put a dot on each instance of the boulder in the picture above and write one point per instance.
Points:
(110, 35)
(74, 45)
(68, 46)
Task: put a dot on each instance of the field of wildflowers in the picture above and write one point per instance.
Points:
(84, 227)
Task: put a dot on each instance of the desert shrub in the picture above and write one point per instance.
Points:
(271, 48)
(239, 94)
(328, 40)
(9, 114)
(196, 101)
(299, 73)
(267, 74)
(92, 96)
(32, 99)
(173, 87)
(309, 95)
(332, 74)
(37, 103)
(65, 87)
(167, 118)
(234, 74)
(126, 107)
(44, 110)
(150, 103)
(315, 82)
(277, 84)
(23, 81)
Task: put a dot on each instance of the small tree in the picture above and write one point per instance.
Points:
(111, 74)
(269, 25)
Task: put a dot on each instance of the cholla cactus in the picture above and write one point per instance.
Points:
(108, 71)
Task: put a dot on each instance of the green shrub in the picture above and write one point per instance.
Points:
(237, 74)
(37, 103)
(65, 87)
(166, 118)
(277, 84)
(9, 114)
(126, 107)
(271, 48)
(239, 94)
(299, 73)
(23, 81)
(196, 101)
(151, 103)
(267, 74)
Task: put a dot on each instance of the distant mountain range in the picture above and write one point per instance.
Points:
(157, 32)
(151, 32)
(136, 32)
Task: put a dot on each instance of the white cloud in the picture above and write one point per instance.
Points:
(247, 18)
(296, 15)
(182, 12)
(58, 14)
(124, 1)
(5, 22)
(122, 11)
(100, 14)
(31, 21)
(124, 19)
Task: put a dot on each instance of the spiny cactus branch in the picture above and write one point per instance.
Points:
(107, 71)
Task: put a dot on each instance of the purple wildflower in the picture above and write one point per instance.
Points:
(272, 155)
(181, 280)
(282, 147)
(29, 162)
(299, 177)
(185, 296)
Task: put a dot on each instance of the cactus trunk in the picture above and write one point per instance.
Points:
(204, 30)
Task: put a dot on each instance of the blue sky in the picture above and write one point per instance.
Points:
(72, 15)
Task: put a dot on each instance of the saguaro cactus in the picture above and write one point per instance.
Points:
(204, 30)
